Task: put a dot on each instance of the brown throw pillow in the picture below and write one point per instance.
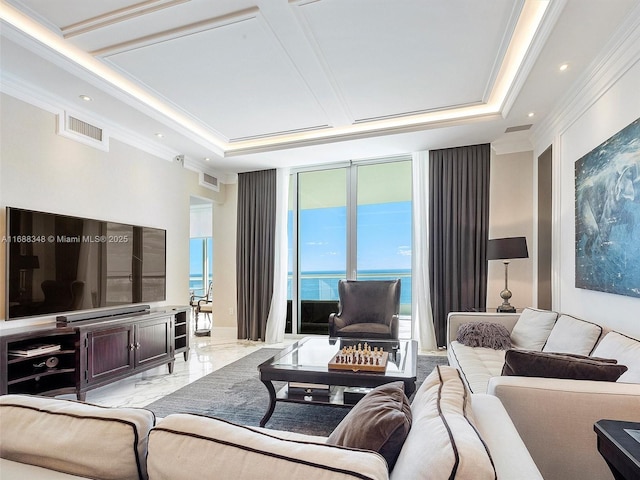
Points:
(526, 363)
(379, 422)
(484, 334)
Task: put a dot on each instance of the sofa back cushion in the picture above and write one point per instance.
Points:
(74, 437)
(187, 447)
(625, 350)
(572, 335)
(443, 442)
(533, 328)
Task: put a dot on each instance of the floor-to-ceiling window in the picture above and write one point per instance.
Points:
(200, 246)
(351, 221)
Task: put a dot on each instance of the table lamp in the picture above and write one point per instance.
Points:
(506, 249)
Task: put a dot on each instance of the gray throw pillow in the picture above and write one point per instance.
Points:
(484, 334)
(557, 365)
(380, 421)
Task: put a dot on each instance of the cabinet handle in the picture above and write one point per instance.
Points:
(137, 344)
(132, 346)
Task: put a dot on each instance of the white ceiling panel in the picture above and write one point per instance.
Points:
(240, 92)
(398, 58)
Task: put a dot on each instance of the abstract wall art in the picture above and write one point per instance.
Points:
(607, 215)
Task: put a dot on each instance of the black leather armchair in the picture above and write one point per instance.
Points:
(367, 309)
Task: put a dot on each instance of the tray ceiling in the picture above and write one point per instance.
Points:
(236, 78)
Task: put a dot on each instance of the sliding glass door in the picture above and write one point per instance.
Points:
(351, 222)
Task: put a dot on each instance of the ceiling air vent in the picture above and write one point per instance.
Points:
(209, 181)
(518, 128)
(83, 132)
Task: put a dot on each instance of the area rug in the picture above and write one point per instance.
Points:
(235, 393)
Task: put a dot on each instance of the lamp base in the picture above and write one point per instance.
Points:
(506, 309)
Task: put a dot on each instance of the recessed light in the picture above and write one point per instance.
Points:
(530, 114)
(159, 135)
(564, 66)
(207, 159)
(86, 98)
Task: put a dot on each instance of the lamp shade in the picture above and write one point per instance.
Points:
(505, 248)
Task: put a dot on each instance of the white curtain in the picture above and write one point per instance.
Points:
(278, 311)
(421, 297)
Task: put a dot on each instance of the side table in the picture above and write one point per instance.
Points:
(619, 445)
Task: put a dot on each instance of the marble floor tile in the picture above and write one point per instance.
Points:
(206, 355)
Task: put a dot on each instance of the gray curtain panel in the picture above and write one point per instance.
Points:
(458, 224)
(255, 251)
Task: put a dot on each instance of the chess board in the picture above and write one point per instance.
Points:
(359, 360)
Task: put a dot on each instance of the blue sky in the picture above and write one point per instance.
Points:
(384, 237)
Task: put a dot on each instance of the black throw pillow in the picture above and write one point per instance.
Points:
(380, 421)
(527, 363)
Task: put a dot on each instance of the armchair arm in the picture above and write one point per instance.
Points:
(555, 419)
(394, 327)
(455, 319)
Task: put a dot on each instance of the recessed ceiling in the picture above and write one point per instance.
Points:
(263, 83)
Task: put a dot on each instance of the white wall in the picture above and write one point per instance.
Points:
(604, 103)
(224, 259)
(511, 215)
(41, 170)
(618, 107)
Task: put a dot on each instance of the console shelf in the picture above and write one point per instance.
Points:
(93, 352)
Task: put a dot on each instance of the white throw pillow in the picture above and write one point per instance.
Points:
(572, 335)
(625, 350)
(533, 328)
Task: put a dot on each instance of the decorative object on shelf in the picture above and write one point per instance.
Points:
(35, 349)
(506, 249)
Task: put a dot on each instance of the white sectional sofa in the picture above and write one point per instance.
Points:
(554, 416)
(453, 434)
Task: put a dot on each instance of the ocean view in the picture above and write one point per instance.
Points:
(324, 285)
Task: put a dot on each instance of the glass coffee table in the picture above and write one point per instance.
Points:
(304, 366)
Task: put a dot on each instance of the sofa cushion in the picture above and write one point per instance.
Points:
(476, 364)
(18, 471)
(555, 365)
(187, 447)
(533, 328)
(625, 350)
(572, 335)
(443, 442)
(484, 334)
(380, 421)
(74, 437)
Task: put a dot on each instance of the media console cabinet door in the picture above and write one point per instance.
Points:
(110, 352)
(153, 341)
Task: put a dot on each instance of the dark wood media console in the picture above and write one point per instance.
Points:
(95, 350)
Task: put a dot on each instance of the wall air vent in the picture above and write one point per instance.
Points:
(81, 131)
(209, 181)
(518, 128)
(84, 128)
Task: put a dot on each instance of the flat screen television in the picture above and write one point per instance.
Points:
(59, 263)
